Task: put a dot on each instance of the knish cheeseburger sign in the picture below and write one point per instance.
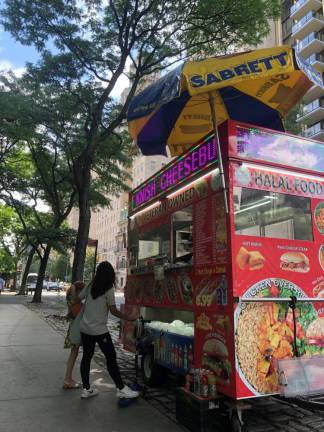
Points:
(176, 173)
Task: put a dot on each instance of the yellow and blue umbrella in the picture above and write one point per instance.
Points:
(257, 87)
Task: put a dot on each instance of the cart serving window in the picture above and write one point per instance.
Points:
(271, 214)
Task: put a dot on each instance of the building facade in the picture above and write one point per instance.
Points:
(303, 28)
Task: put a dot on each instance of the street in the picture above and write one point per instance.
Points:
(31, 376)
(33, 364)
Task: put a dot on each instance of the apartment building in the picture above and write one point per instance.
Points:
(303, 28)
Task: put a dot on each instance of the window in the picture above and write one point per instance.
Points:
(182, 235)
(147, 245)
(270, 214)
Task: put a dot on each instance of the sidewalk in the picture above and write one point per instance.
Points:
(32, 364)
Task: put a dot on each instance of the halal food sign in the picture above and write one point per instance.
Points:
(177, 172)
(279, 182)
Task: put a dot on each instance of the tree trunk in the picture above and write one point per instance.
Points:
(82, 235)
(13, 288)
(41, 275)
(22, 289)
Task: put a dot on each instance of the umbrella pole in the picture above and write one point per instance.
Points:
(212, 101)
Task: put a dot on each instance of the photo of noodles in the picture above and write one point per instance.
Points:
(259, 336)
(319, 217)
(264, 334)
(321, 256)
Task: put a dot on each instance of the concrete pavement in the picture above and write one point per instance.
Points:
(32, 364)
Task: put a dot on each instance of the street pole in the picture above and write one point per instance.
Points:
(95, 259)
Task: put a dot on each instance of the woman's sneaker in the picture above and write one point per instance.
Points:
(127, 393)
(87, 393)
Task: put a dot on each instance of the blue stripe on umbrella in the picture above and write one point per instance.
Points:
(155, 95)
(153, 137)
(244, 108)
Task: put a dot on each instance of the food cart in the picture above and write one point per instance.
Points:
(244, 288)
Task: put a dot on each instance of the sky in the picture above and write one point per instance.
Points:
(14, 56)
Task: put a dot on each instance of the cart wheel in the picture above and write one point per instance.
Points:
(236, 425)
(153, 374)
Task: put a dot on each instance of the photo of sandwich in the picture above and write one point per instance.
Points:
(315, 333)
(318, 290)
(294, 261)
(254, 260)
(215, 358)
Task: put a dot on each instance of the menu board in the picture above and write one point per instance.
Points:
(219, 216)
(175, 290)
(277, 253)
(204, 233)
(210, 231)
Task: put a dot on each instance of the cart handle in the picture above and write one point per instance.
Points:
(277, 299)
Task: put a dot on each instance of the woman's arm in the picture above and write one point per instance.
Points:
(118, 314)
(82, 294)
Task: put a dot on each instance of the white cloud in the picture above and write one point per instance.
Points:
(6, 66)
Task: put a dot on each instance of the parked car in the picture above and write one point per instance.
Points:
(52, 286)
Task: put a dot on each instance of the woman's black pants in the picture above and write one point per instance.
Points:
(105, 344)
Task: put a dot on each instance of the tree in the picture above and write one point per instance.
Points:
(12, 240)
(35, 172)
(30, 255)
(290, 121)
(94, 42)
(60, 267)
(7, 264)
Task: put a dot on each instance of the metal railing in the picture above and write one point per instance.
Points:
(297, 5)
(315, 129)
(319, 57)
(312, 106)
(306, 19)
(310, 38)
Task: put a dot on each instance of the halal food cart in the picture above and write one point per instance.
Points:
(238, 295)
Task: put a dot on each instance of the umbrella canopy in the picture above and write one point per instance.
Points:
(257, 87)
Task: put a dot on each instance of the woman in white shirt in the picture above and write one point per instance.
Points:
(99, 300)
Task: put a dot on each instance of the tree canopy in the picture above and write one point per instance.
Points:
(86, 46)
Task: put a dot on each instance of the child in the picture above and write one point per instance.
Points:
(74, 307)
